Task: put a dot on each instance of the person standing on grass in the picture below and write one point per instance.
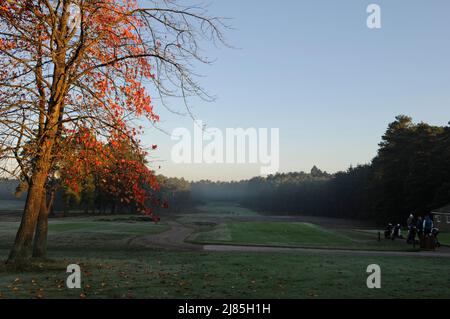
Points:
(427, 225)
(411, 229)
(410, 223)
(419, 226)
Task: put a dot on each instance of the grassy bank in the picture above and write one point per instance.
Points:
(117, 273)
(88, 231)
(294, 235)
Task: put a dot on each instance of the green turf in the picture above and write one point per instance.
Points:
(444, 238)
(87, 231)
(212, 211)
(128, 273)
(113, 269)
(294, 235)
(8, 205)
(224, 209)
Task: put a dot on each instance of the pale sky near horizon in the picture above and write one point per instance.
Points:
(314, 70)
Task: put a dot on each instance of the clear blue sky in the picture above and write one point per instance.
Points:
(313, 69)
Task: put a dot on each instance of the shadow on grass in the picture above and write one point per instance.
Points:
(34, 265)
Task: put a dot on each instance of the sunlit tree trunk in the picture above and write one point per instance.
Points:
(41, 234)
(21, 250)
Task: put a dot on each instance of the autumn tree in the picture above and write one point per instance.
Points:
(117, 169)
(71, 64)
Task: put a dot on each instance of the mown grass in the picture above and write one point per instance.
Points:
(293, 235)
(125, 273)
(223, 209)
(112, 269)
(11, 205)
(444, 238)
(87, 231)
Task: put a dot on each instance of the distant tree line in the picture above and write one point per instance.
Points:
(173, 195)
(410, 173)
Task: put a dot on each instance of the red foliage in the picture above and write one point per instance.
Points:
(118, 166)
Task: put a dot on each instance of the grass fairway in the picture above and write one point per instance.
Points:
(444, 238)
(112, 268)
(124, 273)
(88, 231)
(220, 210)
(14, 205)
(294, 235)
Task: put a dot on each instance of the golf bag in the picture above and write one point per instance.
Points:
(388, 231)
(435, 233)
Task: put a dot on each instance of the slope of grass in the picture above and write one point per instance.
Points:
(294, 235)
(223, 209)
(87, 231)
(120, 273)
(11, 204)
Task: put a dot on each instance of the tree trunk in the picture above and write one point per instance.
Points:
(40, 237)
(22, 248)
